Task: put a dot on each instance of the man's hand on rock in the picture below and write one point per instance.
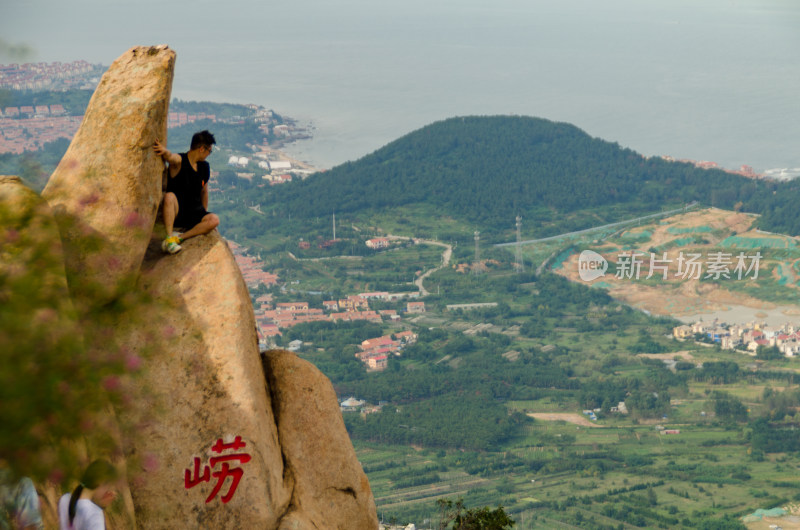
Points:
(160, 149)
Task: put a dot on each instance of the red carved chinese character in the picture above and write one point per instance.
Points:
(236, 444)
(193, 480)
(225, 470)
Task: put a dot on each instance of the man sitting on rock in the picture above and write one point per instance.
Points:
(186, 201)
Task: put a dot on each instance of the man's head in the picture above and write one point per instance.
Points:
(203, 140)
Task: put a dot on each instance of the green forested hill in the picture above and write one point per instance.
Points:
(486, 170)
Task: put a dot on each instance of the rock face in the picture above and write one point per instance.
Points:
(107, 188)
(333, 495)
(208, 385)
(213, 438)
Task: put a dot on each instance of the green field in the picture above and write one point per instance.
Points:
(551, 347)
(618, 474)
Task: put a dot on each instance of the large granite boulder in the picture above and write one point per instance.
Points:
(331, 490)
(213, 438)
(106, 190)
(211, 417)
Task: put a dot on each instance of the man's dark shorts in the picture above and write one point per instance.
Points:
(190, 218)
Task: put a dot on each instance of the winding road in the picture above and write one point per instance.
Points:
(446, 255)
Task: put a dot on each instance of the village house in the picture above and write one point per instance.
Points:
(703, 327)
(264, 301)
(353, 303)
(389, 314)
(754, 344)
(393, 297)
(281, 179)
(682, 332)
(374, 296)
(408, 336)
(378, 362)
(730, 342)
(378, 242)
(378, 341)
(292, 306)
(415, 307)
(752, 335)
(349, 316)
(375, 352)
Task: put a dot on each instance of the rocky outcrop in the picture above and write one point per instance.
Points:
(335, 495)
(207, 385)
(213, 437)
(106, 190)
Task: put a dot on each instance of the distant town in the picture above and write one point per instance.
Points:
(50, 76)
(271, 317)
(749, 337)
(30, 127)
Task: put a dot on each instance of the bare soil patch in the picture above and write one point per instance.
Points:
(677, 296)
(569, 417)
(685, 355)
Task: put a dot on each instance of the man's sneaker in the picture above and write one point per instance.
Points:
(171, 245)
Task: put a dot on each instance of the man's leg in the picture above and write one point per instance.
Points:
(209, 222)
(169, 211)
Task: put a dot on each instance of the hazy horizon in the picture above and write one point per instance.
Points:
(716, 81)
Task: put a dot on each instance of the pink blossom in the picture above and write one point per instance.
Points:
(169, 332)
(69, 164)
(89, 199)
(133, 362)
(150, 462)
(45, 315)
(111, 383)
(133, 220)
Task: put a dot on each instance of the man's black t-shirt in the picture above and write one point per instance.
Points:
(187, 186)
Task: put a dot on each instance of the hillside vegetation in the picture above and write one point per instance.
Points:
(486, 170)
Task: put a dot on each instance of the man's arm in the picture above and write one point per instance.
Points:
(204, 196)
(173, 159)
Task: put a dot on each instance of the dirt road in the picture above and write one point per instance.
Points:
(446, 255)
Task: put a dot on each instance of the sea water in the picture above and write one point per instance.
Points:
(713, 80)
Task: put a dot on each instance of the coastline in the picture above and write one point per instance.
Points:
(278, 153)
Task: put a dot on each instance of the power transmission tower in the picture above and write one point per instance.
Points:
(518, 261)
(477, 264)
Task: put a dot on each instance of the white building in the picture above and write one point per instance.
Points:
(280, 165)
(238, 161)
